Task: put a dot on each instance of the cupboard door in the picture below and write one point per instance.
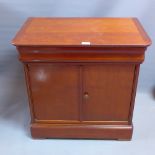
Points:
(107, 92)
(54, 91)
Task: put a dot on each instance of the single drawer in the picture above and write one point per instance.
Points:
(81, 54)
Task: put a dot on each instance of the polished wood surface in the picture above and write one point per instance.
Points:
(76, 90)
(109, 89)
(81, 54)
(55, 91)
(117, 132)
(74, 31)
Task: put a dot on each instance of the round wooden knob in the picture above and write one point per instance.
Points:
(86, 96)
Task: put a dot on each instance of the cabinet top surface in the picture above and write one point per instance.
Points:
(81, 32)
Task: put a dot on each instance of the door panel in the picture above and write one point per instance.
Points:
(107, 92)
(55, 91)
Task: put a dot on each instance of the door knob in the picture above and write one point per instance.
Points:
(86, 96)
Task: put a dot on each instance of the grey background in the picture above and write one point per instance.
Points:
(14, 113)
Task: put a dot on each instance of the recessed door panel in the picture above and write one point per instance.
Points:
(55, 91)
(107, 92)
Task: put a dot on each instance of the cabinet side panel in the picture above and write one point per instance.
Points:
(136, 74)
(26, 70)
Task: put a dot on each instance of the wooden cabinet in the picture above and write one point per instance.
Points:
(81, 75)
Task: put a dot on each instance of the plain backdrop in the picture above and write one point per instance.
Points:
(14, 113)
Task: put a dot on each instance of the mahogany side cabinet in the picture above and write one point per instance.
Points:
(81, 75)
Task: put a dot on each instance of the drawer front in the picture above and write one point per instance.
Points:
(107, 91)
(54, 91)
(81, 54)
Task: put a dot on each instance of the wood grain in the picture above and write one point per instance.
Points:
(82, 131)
(55, 92)
(73, 31)
(82, 54)
(109, 88)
